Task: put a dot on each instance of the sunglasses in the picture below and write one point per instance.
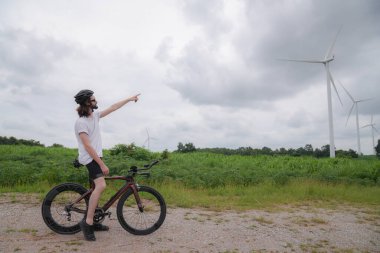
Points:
(93, 100)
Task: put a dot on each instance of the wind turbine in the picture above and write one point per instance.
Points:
(355, 104)
(372, 125)
(328, 58)
(147, 140)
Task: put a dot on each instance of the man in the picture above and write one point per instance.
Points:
(90, 152)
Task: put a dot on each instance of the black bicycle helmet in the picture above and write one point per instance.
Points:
(83, 96)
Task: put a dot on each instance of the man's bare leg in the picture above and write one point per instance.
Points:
(100, 185)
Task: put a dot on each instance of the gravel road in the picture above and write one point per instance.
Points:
(301, 228)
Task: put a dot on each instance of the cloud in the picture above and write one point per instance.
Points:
(208, 71)
(40, 76)
(209, 15)
(252, 74)
(163, 51)
(26, 59)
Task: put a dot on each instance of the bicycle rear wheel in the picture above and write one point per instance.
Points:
(60, 213)
(144, 221)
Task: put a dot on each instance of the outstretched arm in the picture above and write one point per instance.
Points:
(118, 105)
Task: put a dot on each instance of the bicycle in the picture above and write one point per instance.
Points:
(141, 210)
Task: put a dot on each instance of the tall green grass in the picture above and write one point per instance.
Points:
(267, 195)
(28, 165)
(213, 170)
(206, 179)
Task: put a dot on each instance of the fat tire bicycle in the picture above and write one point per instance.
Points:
(141, 210)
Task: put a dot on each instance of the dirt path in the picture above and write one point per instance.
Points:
(291, 229)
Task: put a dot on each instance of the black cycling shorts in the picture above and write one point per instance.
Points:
(94, 170)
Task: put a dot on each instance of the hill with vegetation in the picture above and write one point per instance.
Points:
(21, 164)
(201, 177)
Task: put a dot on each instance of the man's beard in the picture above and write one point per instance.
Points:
(94, 107)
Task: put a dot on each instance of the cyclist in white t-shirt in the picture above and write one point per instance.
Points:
(90, 152)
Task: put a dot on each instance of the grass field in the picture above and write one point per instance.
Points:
(208, 180)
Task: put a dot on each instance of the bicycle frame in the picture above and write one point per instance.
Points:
(130, 183)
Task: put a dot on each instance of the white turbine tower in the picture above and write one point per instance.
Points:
(355, 104)
(147, 140)
(328, 58)
(372, 125)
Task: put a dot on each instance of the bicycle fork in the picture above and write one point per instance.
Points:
(137, 197)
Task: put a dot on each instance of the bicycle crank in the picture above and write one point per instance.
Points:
(100, 215)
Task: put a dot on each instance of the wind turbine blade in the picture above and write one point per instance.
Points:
(375, 129)
(349, 114)
(367, 126)
(353, 100)
(363, 100)
(332, 80)
(308, 61)
(329, 51)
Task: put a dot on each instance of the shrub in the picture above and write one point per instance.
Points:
(120, 149)
(187, 148)
(281, 178)
(165, 155)
(132, 151)
(56, 145)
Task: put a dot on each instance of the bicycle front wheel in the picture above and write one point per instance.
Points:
(145, 220)
(60, 210)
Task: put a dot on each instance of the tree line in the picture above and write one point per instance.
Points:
(307, 150)
(14, 141)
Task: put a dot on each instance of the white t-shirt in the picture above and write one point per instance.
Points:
(90, 126)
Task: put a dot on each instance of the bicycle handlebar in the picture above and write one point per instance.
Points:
(134, 170)
(148, 166)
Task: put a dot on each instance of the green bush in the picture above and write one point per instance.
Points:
(121, 149)
(165, 155)
(132, 151)
(281, 178)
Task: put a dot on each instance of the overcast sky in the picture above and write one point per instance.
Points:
(208, 71)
